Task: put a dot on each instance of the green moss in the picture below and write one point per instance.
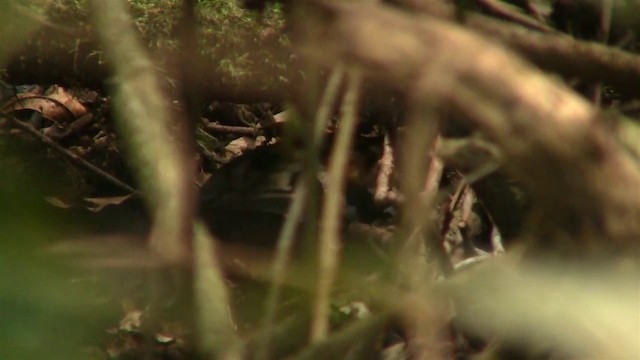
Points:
(237, 42)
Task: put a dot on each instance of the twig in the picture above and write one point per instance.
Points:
(226, 129)
(554, 52)
(435, 242)
(73, 157)
(329, 242)
(434, 173)
(161, 151)
(417, 165)
(385, 171)
(603, 35)
(606, 9)
(281, 262)
(295, 212)
(510, 12)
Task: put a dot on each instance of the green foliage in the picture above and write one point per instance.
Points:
(44, 314)
(237, 38)
(230, 36)
(15, 20)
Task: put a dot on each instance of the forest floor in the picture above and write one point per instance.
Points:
(70, 193)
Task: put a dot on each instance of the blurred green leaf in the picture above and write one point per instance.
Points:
(17, 24)
(43, 313)
(588, 311)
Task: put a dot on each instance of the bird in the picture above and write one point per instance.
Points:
(245, 204)
(245, 201)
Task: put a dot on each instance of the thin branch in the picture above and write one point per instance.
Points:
(329, 242)
(512, 13)
(160, 150)
(281, 262)
(71, 156)
(559, 53)
(606, 12)
(418, 239)
(296, 208)
(385, 164)
(238, 130)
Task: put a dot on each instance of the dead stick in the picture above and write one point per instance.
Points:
(73, 157)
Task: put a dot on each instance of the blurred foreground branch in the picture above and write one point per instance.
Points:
(583, 183)
(156, 142)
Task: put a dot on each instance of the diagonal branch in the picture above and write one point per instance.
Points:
(551, 51)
